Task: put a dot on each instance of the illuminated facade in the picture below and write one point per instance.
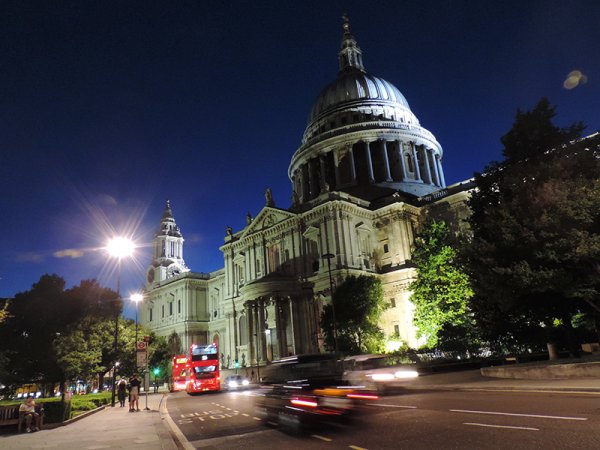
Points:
(364, 176)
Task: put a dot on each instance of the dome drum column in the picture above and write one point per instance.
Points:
(386, 161)
(400, 146)
(416, 162)
(367, 146)
(440, 170)
(435, 168)
(423, 151)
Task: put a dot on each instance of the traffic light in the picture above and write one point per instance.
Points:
(236, 364)
(156, 371)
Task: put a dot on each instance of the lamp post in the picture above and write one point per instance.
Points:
(136, 298)
(328, 256)
(119, 248)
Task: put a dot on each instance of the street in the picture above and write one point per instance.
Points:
(415, 420)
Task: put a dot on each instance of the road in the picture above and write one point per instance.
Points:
(414, 420)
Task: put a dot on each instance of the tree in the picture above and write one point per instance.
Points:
(358, 303)
(174, 344)
(535, 219)
(442, 288)
(46, 322)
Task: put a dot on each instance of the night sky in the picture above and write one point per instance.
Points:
(109, 108)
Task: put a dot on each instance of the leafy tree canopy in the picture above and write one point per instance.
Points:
(536, 231)
(358, 303)
(442, 288)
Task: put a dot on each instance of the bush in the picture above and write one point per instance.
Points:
(82, 405)
(55, 411)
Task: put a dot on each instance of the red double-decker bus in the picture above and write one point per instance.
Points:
(203, 371)
(181, 369)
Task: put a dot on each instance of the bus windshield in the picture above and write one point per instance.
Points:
(204, 353)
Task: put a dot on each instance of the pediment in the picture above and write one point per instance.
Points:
(267, 218)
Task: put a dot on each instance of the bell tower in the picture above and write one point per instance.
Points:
(167, 250)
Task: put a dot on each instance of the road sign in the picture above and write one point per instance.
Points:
(142, 359)
(142, 346)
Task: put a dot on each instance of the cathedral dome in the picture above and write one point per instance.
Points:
(356, 86)
(363, 139)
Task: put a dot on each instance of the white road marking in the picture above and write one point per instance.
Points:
(244, 414)
(500, 426)
(539, 416)
(323, 438)
(392, 406)
(256, 418)
(356, 447)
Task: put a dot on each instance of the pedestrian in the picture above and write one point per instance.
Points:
(27, 408)
(134, 393)
(122, 392)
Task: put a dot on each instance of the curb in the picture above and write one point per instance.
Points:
(566, 390)
(179, 438)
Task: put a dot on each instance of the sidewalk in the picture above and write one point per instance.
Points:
(110, 428)
(473, 380)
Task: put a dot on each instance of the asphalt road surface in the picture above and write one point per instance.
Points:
(415, 420)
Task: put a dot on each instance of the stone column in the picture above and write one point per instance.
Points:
(323, 174)
(401, 155)
(386, 161)
(261, 330)
(441, 171)
(416, 161)
(251, 341)
(352, 165)
(435, 168)
(336, 169)
(369, 161)
(293, 326)
(427, 168)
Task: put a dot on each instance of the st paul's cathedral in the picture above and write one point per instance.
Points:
(363, 178)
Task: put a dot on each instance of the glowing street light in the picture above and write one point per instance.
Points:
(118, 247)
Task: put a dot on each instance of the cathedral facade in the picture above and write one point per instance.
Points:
(364, 177)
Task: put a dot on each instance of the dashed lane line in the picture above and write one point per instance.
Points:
(356, 447)
(538, 416)
(392, 406)
(323, 438)
(246, 415)
(257, 418)
(500, 426)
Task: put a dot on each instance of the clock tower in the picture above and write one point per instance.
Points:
(167, 250)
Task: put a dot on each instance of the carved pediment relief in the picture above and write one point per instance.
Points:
(267, 218)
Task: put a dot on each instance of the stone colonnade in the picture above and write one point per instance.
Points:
(291, 327)
(372, 161)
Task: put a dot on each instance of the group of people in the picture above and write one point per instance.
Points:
(133, 387)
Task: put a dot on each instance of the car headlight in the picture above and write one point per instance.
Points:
(245, 382)
(406, 374)
(233, 384)
(382, 376)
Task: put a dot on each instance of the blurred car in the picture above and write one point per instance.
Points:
(306, 390)
(375, 372)
(236, 382)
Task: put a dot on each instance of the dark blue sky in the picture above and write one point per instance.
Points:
(109, 108)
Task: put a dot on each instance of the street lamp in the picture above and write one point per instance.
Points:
(118, 247)
(328, 256)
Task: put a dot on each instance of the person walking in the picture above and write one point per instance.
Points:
(122, 392)
(134, 393)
